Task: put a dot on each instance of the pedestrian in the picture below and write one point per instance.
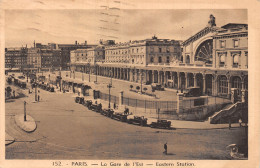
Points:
(38, 97)
(14, 93)
(165, 148)
(240, 122)
(229, 123)
(114, 105)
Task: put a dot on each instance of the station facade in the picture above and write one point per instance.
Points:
(214, 59)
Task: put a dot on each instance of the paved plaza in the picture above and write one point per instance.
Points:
(67, 130)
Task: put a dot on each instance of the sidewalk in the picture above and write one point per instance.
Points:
(28, 126)
(8, 139)
(151, 116)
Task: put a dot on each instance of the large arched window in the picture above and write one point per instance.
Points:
(236, 83)
(151, 59)
(235, 60)
(223, 85)
(204, 52)
(168, 59)
(160, 59)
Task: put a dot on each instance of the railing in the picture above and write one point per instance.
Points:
(146, 104)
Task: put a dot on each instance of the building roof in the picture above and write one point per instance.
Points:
(234, 25)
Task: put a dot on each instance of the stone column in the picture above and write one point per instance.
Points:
(179, 80)
(136, 74)
(244, 96)
(204, 83)
(179, 103)
(152, 76)
(121, 98)
(165, 78)
(187, 80)
(234, 96)
(195, 80)
(229, 87)
(145, 76)
(173, 79)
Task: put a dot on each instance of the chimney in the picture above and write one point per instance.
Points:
(34, 43)
(85, 42)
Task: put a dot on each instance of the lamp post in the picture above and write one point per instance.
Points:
(109, 98)
(111, 77)
(25, 111)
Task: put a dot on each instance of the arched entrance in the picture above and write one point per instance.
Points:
(204, 52)
(199, 79)
(190, 80)
(236, 83)
(183, 80)
(209, 80)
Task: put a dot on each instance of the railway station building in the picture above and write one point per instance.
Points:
(214, 59)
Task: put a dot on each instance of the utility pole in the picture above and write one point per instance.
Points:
(111, 77)
(35, 83)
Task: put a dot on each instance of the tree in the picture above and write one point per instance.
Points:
(137, 87)
(145, 89)
(131, 87)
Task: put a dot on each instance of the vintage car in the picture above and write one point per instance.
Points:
(156, 86)
(96, 107)
(107, 112)
(9, 80)
(120, 117)
(138, 120)
(161, 124)
(193, 92)
(22, 84)
(79, 100)
(87, 103)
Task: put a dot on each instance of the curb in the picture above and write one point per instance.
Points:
(27, 126)
(8, 139)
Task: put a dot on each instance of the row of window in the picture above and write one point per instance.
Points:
(160, 59)
(235, 43)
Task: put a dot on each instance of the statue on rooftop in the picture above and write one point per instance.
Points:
(211, 21)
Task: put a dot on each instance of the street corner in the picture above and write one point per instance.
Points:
(28, 126)
(8, 139)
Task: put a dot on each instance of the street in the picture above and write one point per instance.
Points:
(67, 130)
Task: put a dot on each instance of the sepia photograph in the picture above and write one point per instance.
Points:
(113, 83)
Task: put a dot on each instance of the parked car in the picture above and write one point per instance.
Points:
(120, 117)
(88, 103)
(79, 100)
(161, 124)
(193, 92)
(107, 112)
(138, 120)
(96, 107)
(156, 86)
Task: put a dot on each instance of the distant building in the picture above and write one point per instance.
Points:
(34, 58)
(16, 58)
(67, 48)
(144, 52)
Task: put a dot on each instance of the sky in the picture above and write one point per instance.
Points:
(65, 26)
